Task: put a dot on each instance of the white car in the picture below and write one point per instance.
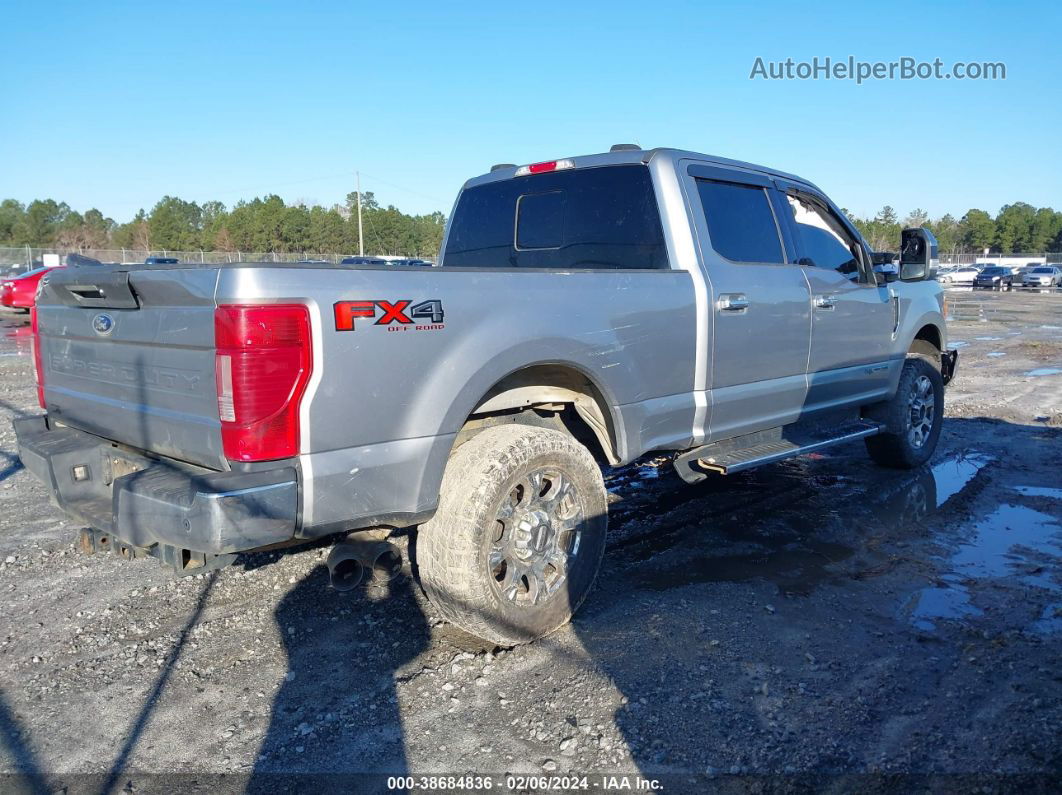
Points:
(964, 275)
(1042, 276)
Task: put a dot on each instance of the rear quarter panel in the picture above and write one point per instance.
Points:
(385, 400)
(631, 333)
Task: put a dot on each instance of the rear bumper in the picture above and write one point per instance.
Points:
(148, 502)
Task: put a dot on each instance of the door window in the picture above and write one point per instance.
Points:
(824, 241)
(740, 221)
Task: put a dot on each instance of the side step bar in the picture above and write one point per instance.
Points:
(694, 465)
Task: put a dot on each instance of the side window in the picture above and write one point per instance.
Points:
(740, 221)
(824, 240)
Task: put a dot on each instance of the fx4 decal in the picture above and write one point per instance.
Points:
(396, 315)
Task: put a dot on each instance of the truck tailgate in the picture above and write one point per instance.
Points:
(129, 355)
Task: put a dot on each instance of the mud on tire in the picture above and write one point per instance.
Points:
(914, 415)
(517, 540)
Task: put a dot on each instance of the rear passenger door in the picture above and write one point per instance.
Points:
(853, 318)
(759, 303)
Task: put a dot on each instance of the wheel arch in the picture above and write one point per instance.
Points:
(929, 332)
(552, 386)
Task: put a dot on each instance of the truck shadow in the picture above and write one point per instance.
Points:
(25, 772)
(337, 712)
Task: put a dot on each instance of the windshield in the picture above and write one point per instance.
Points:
(993, 271)
(1043, 270)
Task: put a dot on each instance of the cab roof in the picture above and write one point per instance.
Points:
(623, 156)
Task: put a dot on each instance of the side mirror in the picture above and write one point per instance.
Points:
(918, 255)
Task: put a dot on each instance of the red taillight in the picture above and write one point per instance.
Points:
(547, 166)
(262, 364)
(538, 168)
(38, 366)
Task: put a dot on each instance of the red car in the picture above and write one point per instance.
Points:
(21, 292)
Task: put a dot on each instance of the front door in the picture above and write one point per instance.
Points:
(853, 317)
(759, 304)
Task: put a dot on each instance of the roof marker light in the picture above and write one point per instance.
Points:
(542, 168)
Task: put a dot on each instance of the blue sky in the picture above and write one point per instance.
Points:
(116, 104)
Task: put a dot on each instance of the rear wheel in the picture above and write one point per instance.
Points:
(516, 542)
(912, 418)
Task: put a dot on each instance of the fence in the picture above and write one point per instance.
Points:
(1051, 257)
(22, 258)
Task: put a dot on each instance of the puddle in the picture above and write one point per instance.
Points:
(1041, 371)
(1050, 620)
(988, 339)
(1039, 491)
(958, 344)
(996, 354)
(953, 474)
(1011, 542)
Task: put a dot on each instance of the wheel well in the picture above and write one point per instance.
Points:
(548, 396)
(930, 334)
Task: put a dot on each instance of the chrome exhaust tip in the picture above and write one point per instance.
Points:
(383, 564)
(359, 561)
(345, 567)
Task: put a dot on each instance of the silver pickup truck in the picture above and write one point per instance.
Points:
(584, 312)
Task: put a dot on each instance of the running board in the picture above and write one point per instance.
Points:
(694, 465)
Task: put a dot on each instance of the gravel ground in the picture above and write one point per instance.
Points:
(816, 618)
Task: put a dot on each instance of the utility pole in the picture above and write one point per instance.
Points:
(361, 245)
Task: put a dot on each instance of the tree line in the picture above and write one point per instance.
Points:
(262, 224)
(1016, 228)
(269, 224)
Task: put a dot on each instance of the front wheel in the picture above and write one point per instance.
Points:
(517, 540)
(912, 419)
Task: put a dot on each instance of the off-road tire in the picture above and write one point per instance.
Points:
(893, 447)
(453, 547)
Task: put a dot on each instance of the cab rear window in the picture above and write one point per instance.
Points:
(603, 217)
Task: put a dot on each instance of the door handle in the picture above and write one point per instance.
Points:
(823, 302)
(732, 302)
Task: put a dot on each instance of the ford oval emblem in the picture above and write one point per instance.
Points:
(103, 324)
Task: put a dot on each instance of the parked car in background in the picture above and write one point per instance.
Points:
(362, 261)
(1042, 276)
(161, 261)
(16, 269)
(21, 292)
(964, 274)
(995, 277)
